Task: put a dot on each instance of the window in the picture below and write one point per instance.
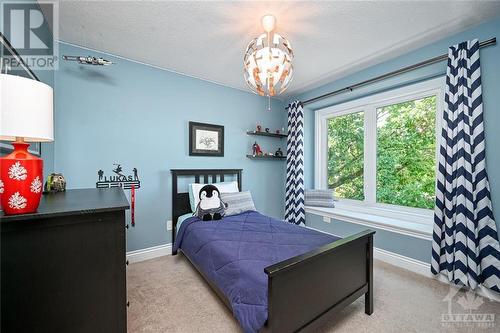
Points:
(406, 158)
(379, 152)
(345, 155)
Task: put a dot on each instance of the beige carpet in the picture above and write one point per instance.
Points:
(168, 295)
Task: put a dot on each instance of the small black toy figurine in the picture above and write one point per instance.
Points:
(210, 206)
(278, 153)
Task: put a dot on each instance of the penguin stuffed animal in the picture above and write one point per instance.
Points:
(210, 206)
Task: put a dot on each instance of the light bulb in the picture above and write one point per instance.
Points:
(267, 63)
(268, 22)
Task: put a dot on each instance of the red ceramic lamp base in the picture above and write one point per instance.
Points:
(21, 180)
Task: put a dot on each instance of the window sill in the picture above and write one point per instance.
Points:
(352, 214)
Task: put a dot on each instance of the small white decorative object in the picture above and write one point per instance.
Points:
(1, 186)
(17, 172)
(36, 185)
(17, 201)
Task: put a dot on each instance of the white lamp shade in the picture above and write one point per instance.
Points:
(26, 109)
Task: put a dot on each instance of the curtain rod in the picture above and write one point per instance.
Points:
(424, 63)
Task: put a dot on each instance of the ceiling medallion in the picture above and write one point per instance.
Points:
(268, 68)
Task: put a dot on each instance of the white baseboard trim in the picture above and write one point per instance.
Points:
(399, 260)
(149, 253)
(423, 268)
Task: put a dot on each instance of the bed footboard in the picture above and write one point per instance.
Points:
(303, 288)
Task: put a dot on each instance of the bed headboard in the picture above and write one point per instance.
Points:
(180, 201)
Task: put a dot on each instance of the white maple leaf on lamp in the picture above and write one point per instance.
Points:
(17, 172)
(36, 185)
(1, 186)
(17, 201)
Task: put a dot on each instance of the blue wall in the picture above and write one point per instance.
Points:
(408, 246)
(138, 116)
(47, 77)
(490, 64)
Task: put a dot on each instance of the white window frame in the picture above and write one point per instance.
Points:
(369, 106)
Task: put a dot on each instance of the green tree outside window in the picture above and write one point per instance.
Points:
(406, 156)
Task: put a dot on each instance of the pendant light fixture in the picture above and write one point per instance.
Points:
(268, 68)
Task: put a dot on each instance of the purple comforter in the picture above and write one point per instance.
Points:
(234, 251)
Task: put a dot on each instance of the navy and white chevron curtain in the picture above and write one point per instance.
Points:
(294, 196)
(465, 244)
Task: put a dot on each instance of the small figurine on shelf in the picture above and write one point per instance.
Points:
(278, 131)
(256, 149)
(267, 129)
(259, 128)
(278, 153)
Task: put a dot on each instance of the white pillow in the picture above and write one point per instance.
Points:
(224, 187)
(319, 198)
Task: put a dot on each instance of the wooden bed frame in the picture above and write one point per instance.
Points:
(301, 290)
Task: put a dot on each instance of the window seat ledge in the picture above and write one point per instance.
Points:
(404, 227)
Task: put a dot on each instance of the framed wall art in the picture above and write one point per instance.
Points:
(206, 139)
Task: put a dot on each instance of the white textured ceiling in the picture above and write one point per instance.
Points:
(207, 39)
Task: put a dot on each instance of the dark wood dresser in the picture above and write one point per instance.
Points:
(63, 269)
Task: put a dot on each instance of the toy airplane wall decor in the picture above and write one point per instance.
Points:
(88, 60)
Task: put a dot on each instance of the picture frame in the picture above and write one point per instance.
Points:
(206, 139)
(9, 56)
